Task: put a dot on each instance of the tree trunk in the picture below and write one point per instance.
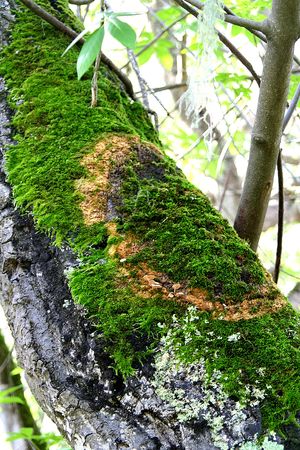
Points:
(13, 416)
(283, 32)
(182, 342)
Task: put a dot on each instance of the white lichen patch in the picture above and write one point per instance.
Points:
(197, 395)
(267, 444)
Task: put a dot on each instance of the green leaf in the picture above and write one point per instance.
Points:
(5, 392)
(24, 433)
(121, 31)
(169, 14)
(89, 51)
(165, 57)
(11, 399)
(146, 55)
(80, 35)
(16, 371)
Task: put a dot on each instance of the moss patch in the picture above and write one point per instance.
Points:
(55, 123)
(139, 228)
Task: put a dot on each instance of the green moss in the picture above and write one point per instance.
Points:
(181, 235)
(55, 123)
(189, 239)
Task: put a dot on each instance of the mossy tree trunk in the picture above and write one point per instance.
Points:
(140, 318)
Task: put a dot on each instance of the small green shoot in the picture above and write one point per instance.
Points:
(118, 29)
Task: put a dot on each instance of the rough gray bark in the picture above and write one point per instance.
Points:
(283, 32)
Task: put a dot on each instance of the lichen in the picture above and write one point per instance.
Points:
(149, 243)
(239, 365)
(266, 444)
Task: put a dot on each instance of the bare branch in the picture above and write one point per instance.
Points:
(81, 2)
(239, 56)
(280, 217)
(291, 108)
(142, 82)
(169, 87)
(250, 25)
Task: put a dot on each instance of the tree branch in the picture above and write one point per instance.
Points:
(248, 24)
(251, 25)
(229, 12)
(81, 2)
(36, 9)
(291, 108)
(246, 63)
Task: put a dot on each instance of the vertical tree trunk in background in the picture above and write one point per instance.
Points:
(14, 416)
(284, 25)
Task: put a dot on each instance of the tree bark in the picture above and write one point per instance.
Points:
(283, 32)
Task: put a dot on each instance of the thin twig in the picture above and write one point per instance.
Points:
(81, 2)
(78, 13)
(286, 120)
(145, 88)
(239, 56)
(94, 84)
(167, 87)
(142, 82)
(36, 9)
(280, 217)
(291, 108)
(86, 11)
